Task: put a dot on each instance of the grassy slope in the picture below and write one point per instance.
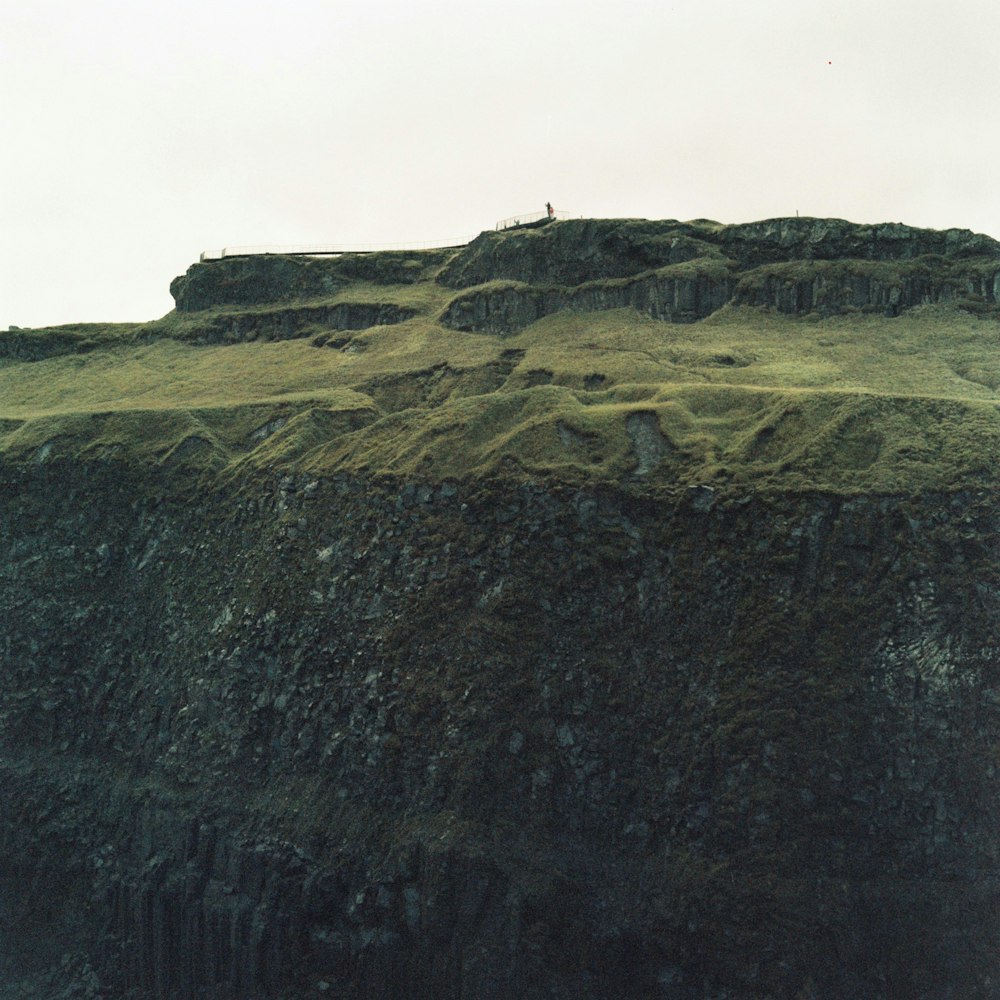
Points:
(745, 399)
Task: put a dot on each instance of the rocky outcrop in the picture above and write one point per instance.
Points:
(831, 287)
(36, 345)
(795, 266)
(775, 240)
(291, 322)
(373, 738)
(257, 280)
(575, 251)
(693, 291)
(677, 295)
(674, 271)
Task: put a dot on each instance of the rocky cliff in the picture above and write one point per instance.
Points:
(683, 272)
(428, 691)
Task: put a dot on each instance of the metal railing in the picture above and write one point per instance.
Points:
(528, 219)
(328, 249)
(337, 249)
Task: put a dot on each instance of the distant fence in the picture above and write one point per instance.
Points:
(328, 249)
(528, 219)
(336, 250)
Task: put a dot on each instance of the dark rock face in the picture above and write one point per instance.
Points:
(823, 288)
(569, 253)
(575, 251)
(682, 272)
(830, 287)
(293, 322)
(303, 737)
(677, 299)
(674, 271)
(775, 240)
(251, 281)
(31, 345)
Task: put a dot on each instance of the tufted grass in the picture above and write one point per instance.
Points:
(745, 399)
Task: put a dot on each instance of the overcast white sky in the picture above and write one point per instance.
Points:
(133, 135)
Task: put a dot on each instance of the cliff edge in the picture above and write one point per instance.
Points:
(506, 623)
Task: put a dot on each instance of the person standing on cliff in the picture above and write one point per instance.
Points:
(550, 209)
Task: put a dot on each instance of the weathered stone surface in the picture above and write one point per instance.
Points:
(795, 266)
(677, 299)
(29, 345)
(251, 281)
(575, 251)
(293, 322)
(829, 287)
(592, 743)
(775, 240)
(674, 271)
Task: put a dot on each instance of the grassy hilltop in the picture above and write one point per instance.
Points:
(841, 357)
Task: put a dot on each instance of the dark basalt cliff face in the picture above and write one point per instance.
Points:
(29, 345)
(250, 281)
(278, 735)
(683, 272)
(291, 322)
(500, 742)
(575, 251)
(675, 271)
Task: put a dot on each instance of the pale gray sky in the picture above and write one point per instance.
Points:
(134, 135)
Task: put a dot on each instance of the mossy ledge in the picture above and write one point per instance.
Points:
(608, 657)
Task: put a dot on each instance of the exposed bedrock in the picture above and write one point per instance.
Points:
(507, 309)
(575, 251)
(293, 322)
(250, 281)
(830, 287)
(821, 287)
(774, 240)
(499, 741)
(31, 345)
